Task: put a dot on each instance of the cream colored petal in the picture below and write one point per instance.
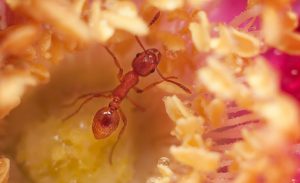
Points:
(281, 114)
(124, 8)
(190, 125)
(271, 26)
(123, 15)
(222, 44)
(12, 86)
(265, 82)
(63, 18)
(245, 45)
(176, 109)
(216, 112)
(167, 5)
(218, 79)
(18, 39)
(201, 32)
(78, 6)
(4, 170)
(200, 159)
(134, 25)
(101, 29)
(194, 140)
(236, 42)
(197, 3)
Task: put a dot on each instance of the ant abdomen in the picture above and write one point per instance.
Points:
(105, 122)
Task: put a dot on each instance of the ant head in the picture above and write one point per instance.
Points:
(146, 62)
(105, 122)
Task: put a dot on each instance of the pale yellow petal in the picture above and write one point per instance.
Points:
(201, 32)
(135, 25)
(200, 159)
(167, 5)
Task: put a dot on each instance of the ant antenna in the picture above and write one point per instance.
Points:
(140, 43)
(154, 19)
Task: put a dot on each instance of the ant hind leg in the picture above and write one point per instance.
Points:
(124, 119)
(84, 96)
(139, 90)
(90, 97)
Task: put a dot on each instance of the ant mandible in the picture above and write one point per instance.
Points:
(106, 119)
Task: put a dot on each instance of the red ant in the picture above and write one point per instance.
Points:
(106, 120)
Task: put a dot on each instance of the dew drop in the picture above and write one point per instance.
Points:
(164, 161)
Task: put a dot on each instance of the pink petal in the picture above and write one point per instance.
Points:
(225, 11)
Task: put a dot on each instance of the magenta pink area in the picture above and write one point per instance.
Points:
(296, 7)
(226, 10)
(296, 154)
(8, 17)
(3, 16)
(296, 179)
(288, 67)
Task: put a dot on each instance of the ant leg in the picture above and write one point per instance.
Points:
(116, 61)
(138, 90)
(83, 96)
(174, 82)
(135, 104)
(83, 103)
(119, 135)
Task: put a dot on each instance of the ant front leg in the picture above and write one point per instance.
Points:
(117, 63)
(139, 90)
(174, 82)
(124, 119)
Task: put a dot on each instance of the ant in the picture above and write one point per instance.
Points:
(106, 120)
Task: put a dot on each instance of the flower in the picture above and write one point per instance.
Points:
(241, 123)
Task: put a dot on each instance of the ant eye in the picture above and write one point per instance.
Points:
(152, 70)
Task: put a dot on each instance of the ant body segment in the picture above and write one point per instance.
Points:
(106, 120)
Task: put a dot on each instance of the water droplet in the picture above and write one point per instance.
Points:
(294, 72)
(152, 180)
(81, 125)
(164, 161)
(56, 137)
